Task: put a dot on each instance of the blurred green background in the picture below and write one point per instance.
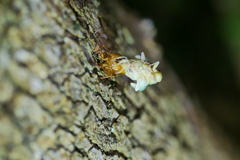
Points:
(201, 41)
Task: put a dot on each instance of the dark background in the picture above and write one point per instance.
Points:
(201, 41)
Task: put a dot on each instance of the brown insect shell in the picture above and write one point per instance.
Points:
(111, 64)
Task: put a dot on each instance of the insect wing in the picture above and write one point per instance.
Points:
(141, 85)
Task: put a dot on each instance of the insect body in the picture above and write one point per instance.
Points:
(138, 69)
(143, 72)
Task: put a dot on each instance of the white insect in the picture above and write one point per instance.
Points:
(142, 72)
(139, 70)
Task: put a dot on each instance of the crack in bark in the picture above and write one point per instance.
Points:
(76, 149)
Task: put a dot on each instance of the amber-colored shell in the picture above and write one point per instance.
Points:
(110, 62)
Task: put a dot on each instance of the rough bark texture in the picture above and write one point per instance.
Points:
(53, 106)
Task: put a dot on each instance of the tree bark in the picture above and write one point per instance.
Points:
(54, 106)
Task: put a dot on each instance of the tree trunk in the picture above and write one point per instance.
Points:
(54, 106)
